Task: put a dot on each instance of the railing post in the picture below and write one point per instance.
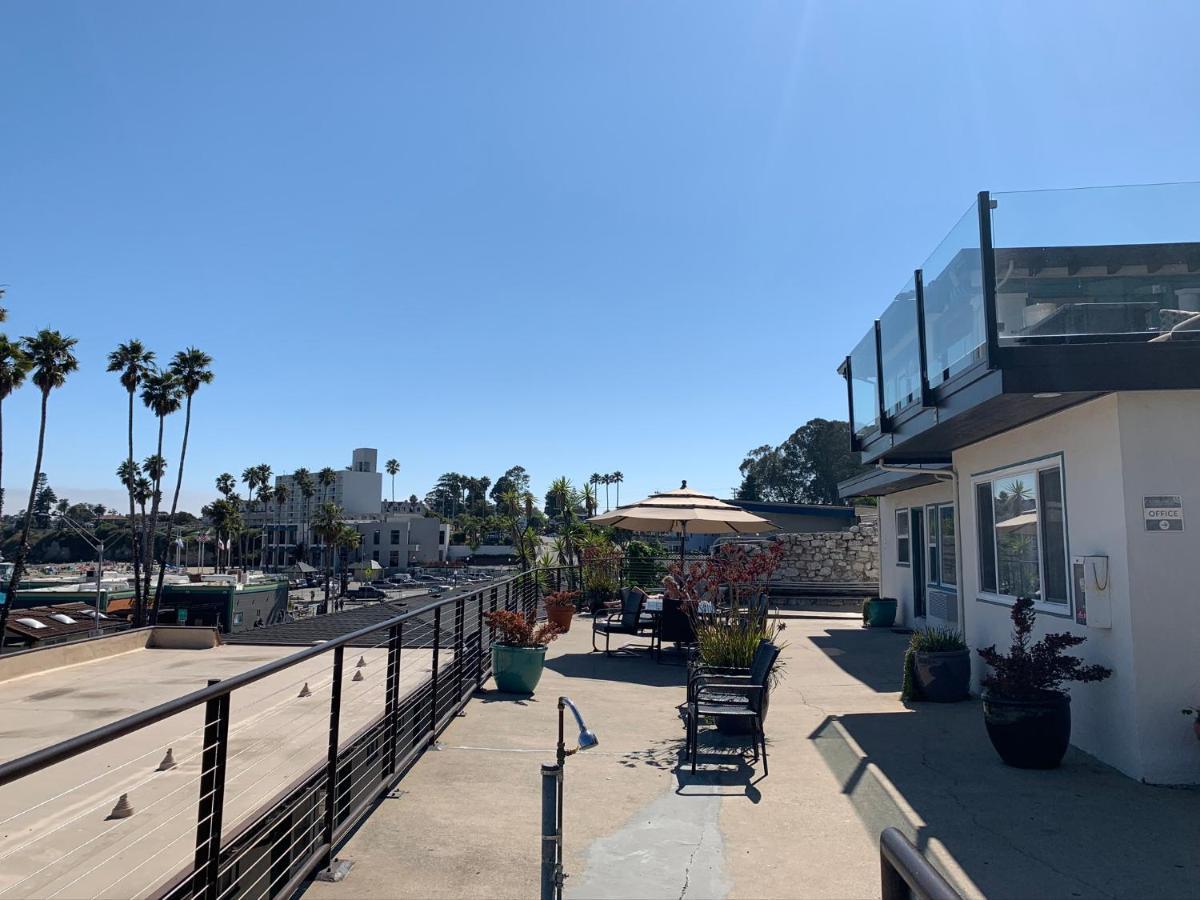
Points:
(508, 595)
(331, 759)
(460, 611)
(392, 716)
(212, 795)
(550, 833)
(433, 695)
(479, 641)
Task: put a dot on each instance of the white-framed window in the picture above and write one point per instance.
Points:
(941, 544)
(1021, 525)
(237, 618)
(903, 539)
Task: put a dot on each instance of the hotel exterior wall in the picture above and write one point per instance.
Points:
(895, 579)
(1087, 439)
(1160, 444)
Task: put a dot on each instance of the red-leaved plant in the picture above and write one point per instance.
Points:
(515, 629)
(561, 600)
(746, 573)
(1029, 671)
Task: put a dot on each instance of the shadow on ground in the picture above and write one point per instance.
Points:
(1084, 830)
(634, 666)
(873, 656)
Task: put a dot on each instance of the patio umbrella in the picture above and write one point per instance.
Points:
(687, 512)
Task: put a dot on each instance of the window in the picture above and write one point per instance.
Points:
(395, 535)
(1021, 520)
(394, 558)
(237, 618)
(375, 541)
(375, 553)
(903, 540)
(943, 548)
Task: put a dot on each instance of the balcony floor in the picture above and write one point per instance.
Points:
(847, 759)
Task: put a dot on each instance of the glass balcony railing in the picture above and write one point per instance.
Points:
(1115, 263)
(901, 351)
(955, 333)
(864, 377)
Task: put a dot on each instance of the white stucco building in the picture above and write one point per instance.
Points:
(1033, 411)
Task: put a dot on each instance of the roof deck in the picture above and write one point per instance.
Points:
(1034, 302)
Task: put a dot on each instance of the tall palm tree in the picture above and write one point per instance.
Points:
(51, 359)
(281, 498)
(134, 362)
(191, 367)
(250, 479)
(595, 481)
(327, 525)
(302, 480)
(617, 478)
(589, 500)
(162, 394)
(14, 366)
(392, 466)
(349, 538)
(265, 494)
(226, 484)
(326, 478)
(607, 480)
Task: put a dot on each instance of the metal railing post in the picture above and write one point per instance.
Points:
(508, 595)
(479, 641)
(392, 716)
(331, 760)
(212, 795)
(460, 611)
(433, 694)
(550, 833)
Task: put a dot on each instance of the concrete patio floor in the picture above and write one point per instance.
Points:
(847, 759)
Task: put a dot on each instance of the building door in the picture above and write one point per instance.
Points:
(916, 528)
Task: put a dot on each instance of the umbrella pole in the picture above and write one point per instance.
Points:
(683, 552)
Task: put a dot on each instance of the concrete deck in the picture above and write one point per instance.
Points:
(55, 835)
(847, 759)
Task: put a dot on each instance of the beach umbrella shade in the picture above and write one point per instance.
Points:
(686, 512)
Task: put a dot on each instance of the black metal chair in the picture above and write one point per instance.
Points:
(627, 621)
(675, 625)
(731, 692)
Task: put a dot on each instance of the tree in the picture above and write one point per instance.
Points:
(589, 500)
(806, 468)
(392, 466)
(349, 538)
(327, 525)
(52, 359)
(226, 517)
(192, 368)
(43, 504)
(617, 478)
(14, 367)
(514, 479)
(595, 481)
(281, 498)
(134, 362)
(226, 485)
(302, 481)
(162, 394)
(606, 480)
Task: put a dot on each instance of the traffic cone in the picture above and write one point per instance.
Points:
(123, 809)
(358, 676)
(304, 691)
(168, 761)
(362, 661)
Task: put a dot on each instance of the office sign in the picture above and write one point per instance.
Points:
(1163, 513)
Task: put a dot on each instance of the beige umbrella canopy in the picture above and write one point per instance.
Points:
(685, 511)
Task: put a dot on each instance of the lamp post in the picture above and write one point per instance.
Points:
(552, 801)
(96, 544)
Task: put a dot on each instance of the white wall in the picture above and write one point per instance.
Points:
(896, 580)
(1088, 438)
(1160, 444)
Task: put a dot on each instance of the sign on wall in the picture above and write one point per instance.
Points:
(1163, 513)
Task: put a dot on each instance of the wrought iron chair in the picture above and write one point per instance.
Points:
(628, 620)
(731, 692)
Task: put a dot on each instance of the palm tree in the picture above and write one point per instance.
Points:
(349, 538)
(327, 525)
(281, 497)
(617, 478)
(162, 394)
(191, 367)
(14, 366)
(303, 481)
(392, 466)
(134, 362)
(606, 480)
(51, 361)
(250, 479)
(589, 500)
(595, 481)
(265, 495)
(226, 484)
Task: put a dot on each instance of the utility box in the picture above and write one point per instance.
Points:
(1093, 600)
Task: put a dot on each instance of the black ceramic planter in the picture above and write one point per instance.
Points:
(1029, 734)
(943, 677)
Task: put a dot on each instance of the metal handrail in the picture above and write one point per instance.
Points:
(905, 873)
(63, 750)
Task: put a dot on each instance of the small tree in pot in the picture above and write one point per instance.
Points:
(1028, 715)
(519, 650)
(560, 608)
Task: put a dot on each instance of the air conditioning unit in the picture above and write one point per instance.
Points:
(941, 604)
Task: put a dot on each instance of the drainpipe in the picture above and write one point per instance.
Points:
(952, 477)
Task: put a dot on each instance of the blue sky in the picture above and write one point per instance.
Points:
(577, 237)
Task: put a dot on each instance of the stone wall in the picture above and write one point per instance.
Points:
(833, 557)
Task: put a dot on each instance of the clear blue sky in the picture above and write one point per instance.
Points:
(577, 237)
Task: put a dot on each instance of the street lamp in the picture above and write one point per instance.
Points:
(96, 544)
(552, 801)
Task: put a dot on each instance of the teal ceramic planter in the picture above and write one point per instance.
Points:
(517, 670)
(881, 612)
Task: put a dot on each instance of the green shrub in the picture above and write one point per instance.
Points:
(937, 639)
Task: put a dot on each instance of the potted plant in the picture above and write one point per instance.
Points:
(937, 666)
(519, 650)
(1028, 715)
(879, 612)
(560, 608)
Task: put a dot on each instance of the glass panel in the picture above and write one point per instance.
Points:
(987, 537)
(1015, 506)
(946, 537)
(863, 378)
(955, 336)
(1054, 538)
(931, 524)
(1115, 263)
(900, 351)
(902, 542)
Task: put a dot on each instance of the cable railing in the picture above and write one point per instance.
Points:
(262, 775)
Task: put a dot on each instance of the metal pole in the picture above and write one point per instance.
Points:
(331, 762)
(212, 795)
(561, 759)
(99, 579)
(437, 641)
(550, 835)
(479, 642)
(459, 662)
(392, 717)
